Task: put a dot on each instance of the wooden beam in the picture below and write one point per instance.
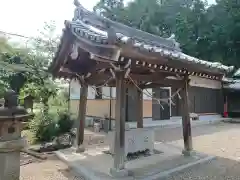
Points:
(104, 51)
(134, 66)
(164, 83)
(61, 55)
(150, 77)
(157, 58)
(81, 117)
(153, 77)
(186, 121)
(119, 150)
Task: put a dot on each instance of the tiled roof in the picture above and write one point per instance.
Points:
(86, 31)
(235, 84)
(230, 83)
(237, 73)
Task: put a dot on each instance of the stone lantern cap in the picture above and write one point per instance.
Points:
(11, 109)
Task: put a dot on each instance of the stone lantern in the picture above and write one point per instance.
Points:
(11, 142)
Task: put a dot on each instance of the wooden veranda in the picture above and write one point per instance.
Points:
(98, 51)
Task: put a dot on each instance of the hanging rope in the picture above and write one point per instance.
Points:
(148, 94)
(166, 100)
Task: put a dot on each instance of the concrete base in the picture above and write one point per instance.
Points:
(173, 122)
(80, 149)
(136, 140)
(10, 158)
(232, 120)
(188, 153)
(93, 164)
(119, 173)
(10, 166)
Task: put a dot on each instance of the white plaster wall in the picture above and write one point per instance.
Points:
(146, 93)
(206, 83)
(106, 92)
(75, 90)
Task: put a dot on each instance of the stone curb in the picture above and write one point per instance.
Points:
(195, 124)
(78, 170)
(34, 154)
(231, 120)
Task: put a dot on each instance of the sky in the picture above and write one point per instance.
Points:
(26, 17)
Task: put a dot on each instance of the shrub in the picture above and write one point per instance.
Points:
(44, 126)
(65, 122)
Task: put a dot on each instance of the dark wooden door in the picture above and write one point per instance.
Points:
(155, 105)
(165, 112)
(131, 107)
(157, 112)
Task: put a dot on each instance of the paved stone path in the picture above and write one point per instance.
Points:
(222, 140)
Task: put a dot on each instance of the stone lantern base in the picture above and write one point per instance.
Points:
(10, 158)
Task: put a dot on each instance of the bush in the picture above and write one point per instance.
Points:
(44, 126)
(49, 125)
(65, 122)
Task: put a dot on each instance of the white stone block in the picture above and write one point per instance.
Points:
(135, 140)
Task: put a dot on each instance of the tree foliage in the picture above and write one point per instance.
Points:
(12, 66)
(209, 32)
(40, 84)
(27, 73)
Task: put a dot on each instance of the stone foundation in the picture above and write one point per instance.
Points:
(135, 140)
(10, 159)
(10, 166)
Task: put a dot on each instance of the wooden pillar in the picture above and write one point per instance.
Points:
(69, 99)
(81, 117)
(186, 122)
(119, 144)
(139, 104)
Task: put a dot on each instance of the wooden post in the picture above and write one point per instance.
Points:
(82, 117)
(69, 99)
(119, 144)
(139, 103)
(186, 122)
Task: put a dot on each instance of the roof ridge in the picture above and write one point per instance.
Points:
(98, 21)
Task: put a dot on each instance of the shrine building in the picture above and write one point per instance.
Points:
(136, 76)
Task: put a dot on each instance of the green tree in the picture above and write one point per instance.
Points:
(40, 84)
(205, 31)
(224, 22)
(12, 66)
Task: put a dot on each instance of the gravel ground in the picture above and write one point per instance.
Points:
(221, 140)
(51, 169)
(219, 169)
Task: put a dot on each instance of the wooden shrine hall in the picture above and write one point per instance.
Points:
(98, 51)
